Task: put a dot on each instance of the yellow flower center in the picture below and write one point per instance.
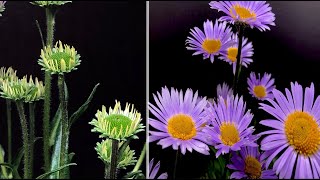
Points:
(182, 126)
(242, 12)
(302, 132)
(260, 91)
(252, 168)
(211, 45)
(232, 54)
(229, 134)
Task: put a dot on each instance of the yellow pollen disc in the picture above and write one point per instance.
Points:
(182, 127)
(242, 12)
(229, 134)
(302, 132)
(252, 168)
(260, 91)
(211, 45)
(232, 54)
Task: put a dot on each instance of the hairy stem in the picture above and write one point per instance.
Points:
(47, 81)
(65, 125)
(25, 139)
(107, 171)
(238, 67)
(32, 107)
(9, 126)
(114, 159)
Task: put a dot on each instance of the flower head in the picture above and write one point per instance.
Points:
(49, 3)
(212, 41)
(8, 74)
(253, 13)
(2, 7)
(178, 122)
(230, 125)
(230, 54)
(117, 124)
(295, 134)
(104, 150)
(249, 164)
(224, 91)
(60, 59)
(261, 88)
(22, 89)
(153, 170)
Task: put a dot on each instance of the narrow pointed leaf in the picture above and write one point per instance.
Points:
(54, 171)
(54, 126)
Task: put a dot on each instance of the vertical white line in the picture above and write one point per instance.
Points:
(147, 89)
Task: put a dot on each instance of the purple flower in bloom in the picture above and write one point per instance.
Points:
(254, 13)
(230, 54)
(249, 164)
(224, 90)
(261, 88)
(154, 171)
(295, 134)
(210, 43)
(179, 120)
(230, 123)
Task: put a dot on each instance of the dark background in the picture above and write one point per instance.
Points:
(110, 37)
(290, 52)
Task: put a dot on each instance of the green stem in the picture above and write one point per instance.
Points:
(175, 164)
(65, 125)
(114, 159)
(32, 107)
(25, 139)
(238, 67)
(107, 171)
(142, 155)
(9, 125)
(46, 113)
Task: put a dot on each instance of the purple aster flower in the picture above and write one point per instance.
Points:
(230, 123)
(261, 88)
(210, 43)
(254, 13)
(154, 171)
(295, 134)
(230, 54)
(224, 90)
(179, 120)
(249, 164)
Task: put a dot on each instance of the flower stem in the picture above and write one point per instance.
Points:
(238, 67)
(176, 164)
(9, 126)
(107, 171)
(32, 107)
(142, 155)
(25, 139)
(47, 81)
(65, 125)
(114, 159)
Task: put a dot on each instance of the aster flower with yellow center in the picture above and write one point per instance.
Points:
(261, 88)
(249, 164)
(22, 89)
(212, 41)
(295, 135)
(178, 121)
(8, 74)
(230, 54)
(118, 124)
(49, 3)
(253, 13)
(230, 125)
(104, 150)
(60, 59)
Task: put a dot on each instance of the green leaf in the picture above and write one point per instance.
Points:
(54, 126)
(55, 159)
(131, 175)
(83, 108)
(70, 157)
(55, 170)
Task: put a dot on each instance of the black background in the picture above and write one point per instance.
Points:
(110, 37)
(290, 52)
